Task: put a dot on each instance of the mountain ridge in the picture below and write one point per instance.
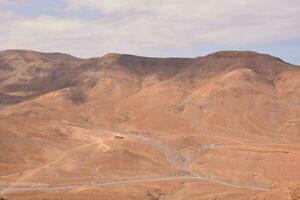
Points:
(68, 122)
(221, 53)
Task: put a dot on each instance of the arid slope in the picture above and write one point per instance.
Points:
(226, 121)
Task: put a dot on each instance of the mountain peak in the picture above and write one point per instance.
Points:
(229, 54)
(30, 54)
(233, 54)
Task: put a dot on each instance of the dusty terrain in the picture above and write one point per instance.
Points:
(222, 126)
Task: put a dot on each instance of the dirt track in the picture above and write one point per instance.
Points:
(178, 160)
(137, 181)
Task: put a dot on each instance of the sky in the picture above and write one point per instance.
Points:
(158, 28)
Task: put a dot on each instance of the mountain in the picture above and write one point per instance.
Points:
(25, 74)
(169, 128)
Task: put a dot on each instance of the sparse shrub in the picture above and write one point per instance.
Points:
(92, 82)
(77, 95)
(177, 108)
(123, 117)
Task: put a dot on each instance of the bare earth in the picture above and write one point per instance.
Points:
(224, 126)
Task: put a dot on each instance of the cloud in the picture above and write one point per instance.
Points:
(3, 2)
(147, 27)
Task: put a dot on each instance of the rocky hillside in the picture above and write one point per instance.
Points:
(232, 117)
